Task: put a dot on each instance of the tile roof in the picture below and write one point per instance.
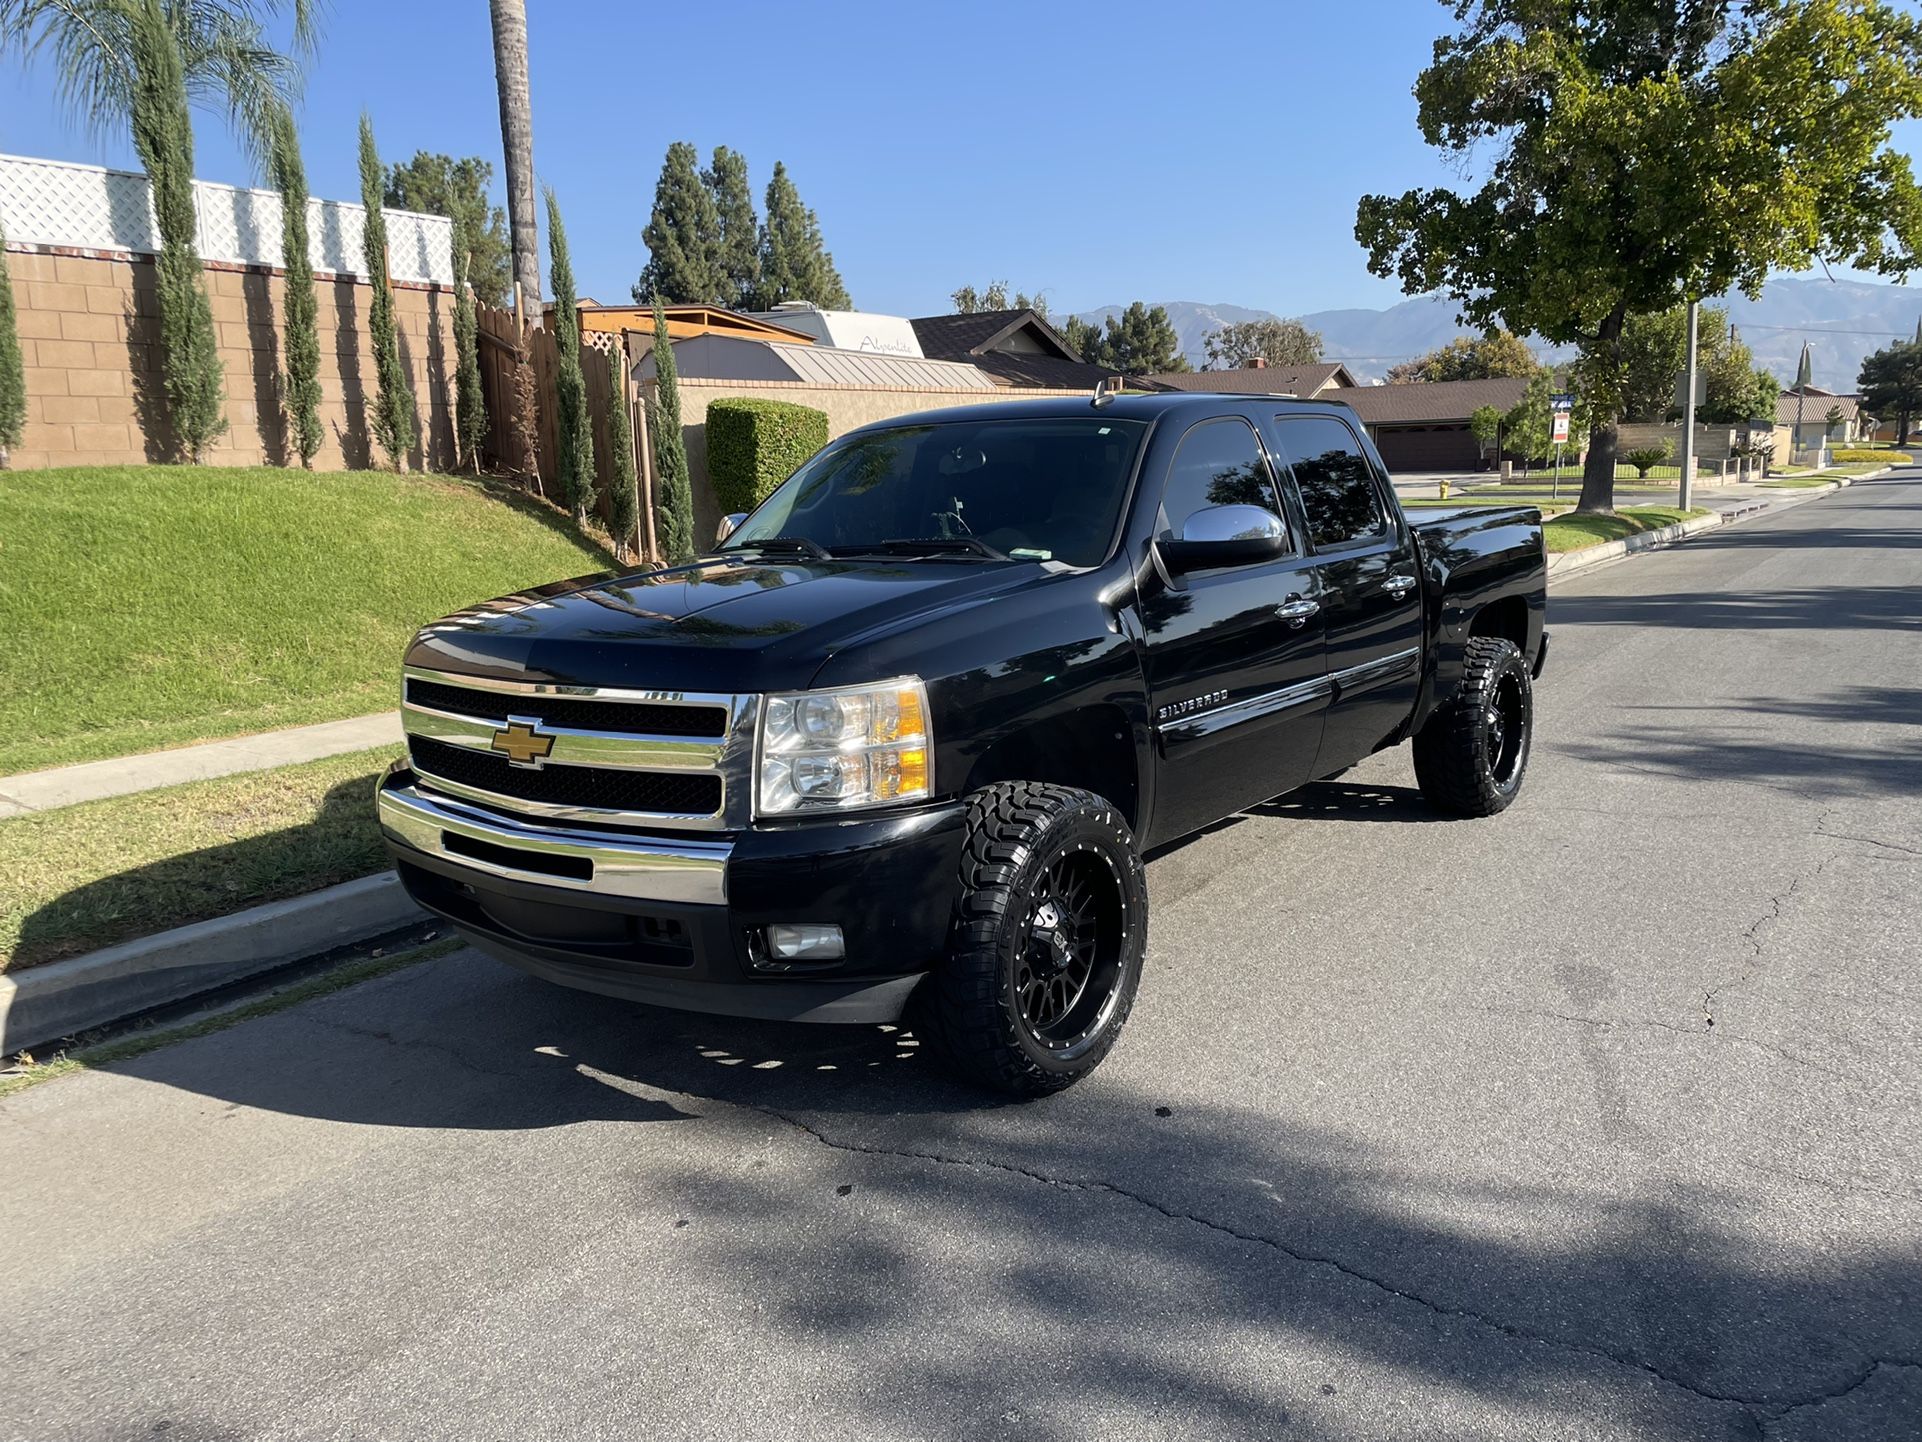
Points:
(1429, 403)
(1303, 381)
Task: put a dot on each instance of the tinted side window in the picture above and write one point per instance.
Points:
(1218, 463)
(1337, 487)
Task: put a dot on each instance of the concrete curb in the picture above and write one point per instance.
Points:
(46, 1003)
(1588, 557)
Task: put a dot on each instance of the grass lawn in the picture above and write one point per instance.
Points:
(1799, 483)
(91, 875)
(1573, 532)
(147, 606)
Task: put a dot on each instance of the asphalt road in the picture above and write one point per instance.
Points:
(1599, 1119)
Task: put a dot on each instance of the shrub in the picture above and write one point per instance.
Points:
(674, 497)
(1891, 458)
(754, 445)
(1647, 458)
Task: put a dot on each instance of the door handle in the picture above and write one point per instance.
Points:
(1296, 610)
(1398, 586)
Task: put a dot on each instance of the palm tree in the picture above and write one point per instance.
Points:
(224, 54)
(517, 145)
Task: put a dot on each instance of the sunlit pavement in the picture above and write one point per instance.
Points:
(1599, 1119)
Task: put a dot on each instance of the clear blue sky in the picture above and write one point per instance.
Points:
(940, 145)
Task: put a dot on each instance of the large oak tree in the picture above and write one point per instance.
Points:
(1640, 152)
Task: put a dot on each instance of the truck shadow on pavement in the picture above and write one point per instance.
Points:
(1233, 1260)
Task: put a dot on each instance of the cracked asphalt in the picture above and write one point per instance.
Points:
(1600, 1119)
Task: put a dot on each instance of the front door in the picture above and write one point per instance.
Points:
(1236, 685)
(1370, 593)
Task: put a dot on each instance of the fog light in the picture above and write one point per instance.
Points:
(805, 941)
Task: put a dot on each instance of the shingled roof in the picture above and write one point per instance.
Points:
(1431, 402)
(1016, 347)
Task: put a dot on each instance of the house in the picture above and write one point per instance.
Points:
(1814, 405)
(1258, 378)
(714, 356)
(1015, 347)
(1424, 426)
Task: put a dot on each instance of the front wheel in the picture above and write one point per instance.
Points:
(1471, 755)
(1044, 957)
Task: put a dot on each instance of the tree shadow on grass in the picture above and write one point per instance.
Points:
(339, 843)
(1171, 1265)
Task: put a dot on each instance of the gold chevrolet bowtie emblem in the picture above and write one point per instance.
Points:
(522, 744)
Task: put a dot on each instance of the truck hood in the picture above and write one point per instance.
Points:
(720, 624)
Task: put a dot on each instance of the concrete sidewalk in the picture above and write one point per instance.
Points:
(122, 775)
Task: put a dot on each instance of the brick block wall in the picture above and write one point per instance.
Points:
(88, 336)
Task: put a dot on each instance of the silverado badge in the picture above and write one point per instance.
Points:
(523, 742)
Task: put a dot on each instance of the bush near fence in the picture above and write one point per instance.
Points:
(1888, 458)
(753, 445)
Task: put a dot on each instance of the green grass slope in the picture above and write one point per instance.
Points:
(149, 606)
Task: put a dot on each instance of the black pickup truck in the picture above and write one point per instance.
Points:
(896, 745)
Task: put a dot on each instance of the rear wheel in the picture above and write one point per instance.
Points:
(1471, 755)
(1050, 925)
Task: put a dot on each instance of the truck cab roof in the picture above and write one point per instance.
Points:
(1128, 406)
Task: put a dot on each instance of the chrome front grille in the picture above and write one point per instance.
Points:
(669, 759)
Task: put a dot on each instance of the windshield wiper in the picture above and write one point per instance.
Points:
(925, 546)
(793, 545)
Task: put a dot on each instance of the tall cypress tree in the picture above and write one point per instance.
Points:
(393, 418)
(163, 136)
(13, 375)
(470, 401)
(576, 435)
(737, 252)
(795, 263)
(623, 502)
(300, 384)
(674, 504)
(682, 235)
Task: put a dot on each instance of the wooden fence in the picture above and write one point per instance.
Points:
(503, 342)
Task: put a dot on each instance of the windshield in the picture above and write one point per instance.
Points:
(1031, 489)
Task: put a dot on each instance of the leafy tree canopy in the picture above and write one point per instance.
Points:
(457, 189)
(1279, 342)
(1469, 358)
(1643, 151)
(969, 301)
(683, 235)
(1655, 353)
(737, 237)
(795, 263)
(1140, 341)
(1891, 384)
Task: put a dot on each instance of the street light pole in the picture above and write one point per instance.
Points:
(1688, 414)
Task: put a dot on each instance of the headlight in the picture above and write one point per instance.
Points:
(846, 748)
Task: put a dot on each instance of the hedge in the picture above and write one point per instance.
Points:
(753, 445)
(1893, 458)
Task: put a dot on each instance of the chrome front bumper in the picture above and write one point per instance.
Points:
(688, 870)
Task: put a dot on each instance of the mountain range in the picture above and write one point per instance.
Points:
(1842, 321)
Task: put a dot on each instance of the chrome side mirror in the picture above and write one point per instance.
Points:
(1226, 536)
(728, 526)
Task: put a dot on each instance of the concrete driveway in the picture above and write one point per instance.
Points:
(1600, 1119)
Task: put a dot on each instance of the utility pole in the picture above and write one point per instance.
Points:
(1688, 413)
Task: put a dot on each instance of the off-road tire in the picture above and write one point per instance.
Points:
(968, 1011)
(1463, 762)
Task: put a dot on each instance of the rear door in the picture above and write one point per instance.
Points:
(1368, 589)
(1236, 687)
